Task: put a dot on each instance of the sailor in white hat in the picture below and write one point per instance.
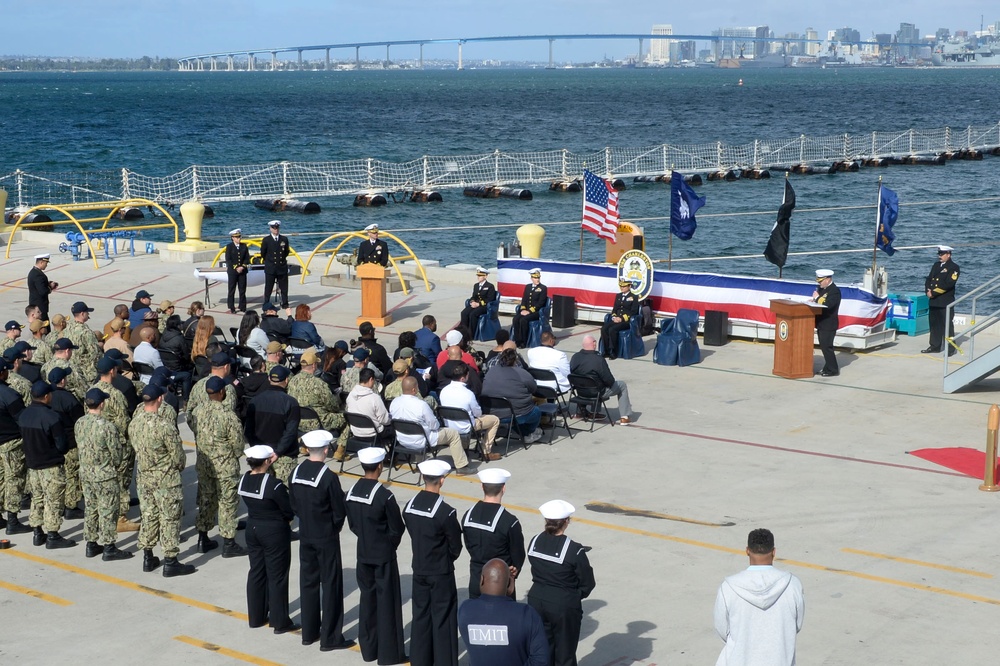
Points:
(483, 293)
(373, 250)
(561, 578)
(940, 288)
(39, 285)
(237, 265)
(827, 294)
(319, 504)
(274, 251)
(436, 541)
(490, 530)
(535, 296)
(375, 519)
(269, 541)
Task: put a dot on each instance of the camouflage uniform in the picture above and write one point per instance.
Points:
(42, 350)
(349, 380)
(160, 455)
(116, 411)
(395, 389)
(101, 449)
(13, 473)
(88, 351)
(76, 383)
(220, 443)
(54, 335)
(314, 393)
(6, 343)
(199, 396)
(21, 385)
(48, 488)
(165, 411)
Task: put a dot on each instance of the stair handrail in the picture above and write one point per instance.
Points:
(976, 327)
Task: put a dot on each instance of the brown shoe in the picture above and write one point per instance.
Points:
(493, 456)
(623, 421)
(126, 525)
(341, 455)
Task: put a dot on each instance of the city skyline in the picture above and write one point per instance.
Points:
(129, 29)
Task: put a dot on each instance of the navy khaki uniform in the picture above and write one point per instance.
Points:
(274, 254)
(827, 323)
(373, 253)
(318, 501)
(941, 283)
(533, 299)
(561, 579)
(482, 294)
(269, 545)
(491, 531)
(237, 256)
(627, 307)
(436, 540)
(373, 516)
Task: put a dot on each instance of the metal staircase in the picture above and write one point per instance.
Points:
(976, 367)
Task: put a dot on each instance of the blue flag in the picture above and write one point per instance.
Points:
(888, 211)
(684, 203)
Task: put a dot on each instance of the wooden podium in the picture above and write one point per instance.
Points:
(794, 324)
(373, 295)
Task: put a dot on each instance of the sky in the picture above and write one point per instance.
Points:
(175, 28)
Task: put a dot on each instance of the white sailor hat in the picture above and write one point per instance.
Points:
(556, 510)
(372, 227)
(482, 271)
(493, 475)
(258, 452)
(823, 273)
(434, 467)
(274, 223)
(535, 271)
(945, 248)
(39, 257)
(316, 439)
(371, 455)
(453, 337)
(236, 232)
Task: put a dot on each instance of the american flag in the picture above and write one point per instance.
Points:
(600, 206)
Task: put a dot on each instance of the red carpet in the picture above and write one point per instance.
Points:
(971, 462)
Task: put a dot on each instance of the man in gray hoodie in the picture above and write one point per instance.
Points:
(759, 611)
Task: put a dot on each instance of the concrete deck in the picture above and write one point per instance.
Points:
(895, 554)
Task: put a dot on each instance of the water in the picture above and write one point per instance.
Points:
(159, 123)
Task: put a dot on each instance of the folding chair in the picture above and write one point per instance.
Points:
(235, 333)
(218, 332)
(142, 368)
(503, 410)
(457, 414)
(558, 406)
(307, 414)
(355, 443)
(404, 427)
(587, 392)
(243, 356)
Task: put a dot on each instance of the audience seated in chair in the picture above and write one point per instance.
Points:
(589, 363)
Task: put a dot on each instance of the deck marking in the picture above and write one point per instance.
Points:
(919, 563)
(141, 285)
(58, 601)
(99, 274)
(402, 303)
(332, 298)
(218, 649)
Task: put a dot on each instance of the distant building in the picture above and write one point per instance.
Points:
(659, 49)
(686, 50)
(942, 35)
(761, 49)
(812, 48)
(734, 42)
(846, 35)
(907, 36)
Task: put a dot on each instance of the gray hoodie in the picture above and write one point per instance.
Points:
(758, 612)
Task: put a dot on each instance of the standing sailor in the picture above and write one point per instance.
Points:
(491, 531)
(374, 517)
(436, 541)
(940, 287)
(827, 294)
(373, 250)
(237, 265)
(274, 251)
(39, 285)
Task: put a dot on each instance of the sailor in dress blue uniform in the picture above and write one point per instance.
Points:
(491, 531)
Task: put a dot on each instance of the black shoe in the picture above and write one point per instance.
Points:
(241, 525)
(829, 373)
(285, 630)
(295, 536)
(55, 540)
(94, 549)
(150, 562)
(15, 526)
(73, 514)
(232, 312)
(112, 552)
(340, 646)
(38, 538)
(205, 544)
(232, 549)
(171, 568)
(930, 350)
(952, 351)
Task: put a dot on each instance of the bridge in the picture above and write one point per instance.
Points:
(232, 58)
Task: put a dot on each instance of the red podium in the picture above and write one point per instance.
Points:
(373, 295)
(793, 338)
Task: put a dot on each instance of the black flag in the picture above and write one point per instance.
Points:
(777, 246)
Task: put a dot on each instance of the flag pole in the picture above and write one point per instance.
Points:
(878, 225)
(583, 213)
(670, 234)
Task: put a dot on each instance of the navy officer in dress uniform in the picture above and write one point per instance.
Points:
(39, 285)
(561, 579)
(436, 541)
(318, 501)
(534, 297)
(269, 541)
(626, 309)
(373, 250)
(237, 265)
(274, 249)
(940, 287)
(827, 294)
(483, 292)
(491, 531)
(374, 517)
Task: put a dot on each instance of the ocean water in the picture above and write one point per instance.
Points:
(159, 123)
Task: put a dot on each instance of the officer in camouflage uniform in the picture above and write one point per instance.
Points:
(13, 356)
(116, 411)
(62, 357)
(221, 364)
(84, 338)
(314, 393)
(101, 449)
(220, 443)
(13, 474)
(160, 455)
(43, 348)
